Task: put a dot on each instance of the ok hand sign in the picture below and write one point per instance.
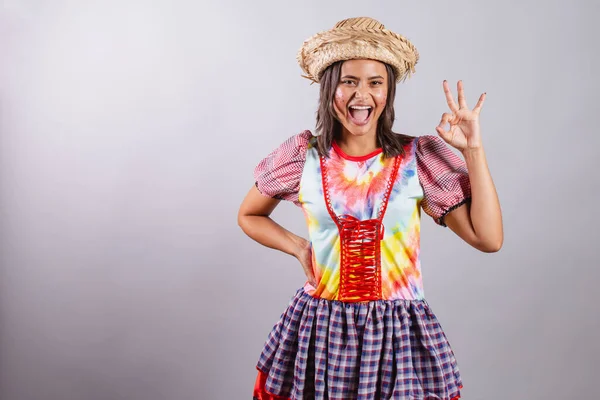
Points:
(464, 133)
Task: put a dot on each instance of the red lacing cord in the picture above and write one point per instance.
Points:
(359, 277)
(360, 264)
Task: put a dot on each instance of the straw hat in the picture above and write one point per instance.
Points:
(354, 38)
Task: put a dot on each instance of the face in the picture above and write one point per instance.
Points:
(361, 96)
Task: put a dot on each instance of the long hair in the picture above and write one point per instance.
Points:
(329, 127)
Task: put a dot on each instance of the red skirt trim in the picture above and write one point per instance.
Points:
(260, 393)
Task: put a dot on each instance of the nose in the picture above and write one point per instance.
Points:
(361, 91)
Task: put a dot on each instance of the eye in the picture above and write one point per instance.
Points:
(377, 83)
(348, 82)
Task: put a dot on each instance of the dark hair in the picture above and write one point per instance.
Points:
(330, 128)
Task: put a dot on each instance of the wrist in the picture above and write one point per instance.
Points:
(473, 153)
(299, 246)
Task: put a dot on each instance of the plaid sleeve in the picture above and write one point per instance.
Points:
(278, 174)
(443, 176)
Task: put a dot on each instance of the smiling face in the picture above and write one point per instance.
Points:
(360, 96)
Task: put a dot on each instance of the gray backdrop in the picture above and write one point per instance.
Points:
(129, 132)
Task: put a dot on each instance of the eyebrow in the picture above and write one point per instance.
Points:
(354, 77)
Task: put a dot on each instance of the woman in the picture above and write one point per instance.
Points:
(360, 327)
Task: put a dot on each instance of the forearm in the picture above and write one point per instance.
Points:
(269, 233)
(485, 213)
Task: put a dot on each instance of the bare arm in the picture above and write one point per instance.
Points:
(254, 219)
(480, 223)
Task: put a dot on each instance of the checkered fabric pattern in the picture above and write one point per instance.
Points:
(443, 176)
(326, 349)
(278, 174)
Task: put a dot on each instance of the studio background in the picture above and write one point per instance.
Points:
(129, 131)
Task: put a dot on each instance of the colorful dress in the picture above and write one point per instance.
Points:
(365, 331)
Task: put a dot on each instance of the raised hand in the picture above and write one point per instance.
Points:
(464, 132)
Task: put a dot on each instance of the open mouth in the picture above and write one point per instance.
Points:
(360, 115)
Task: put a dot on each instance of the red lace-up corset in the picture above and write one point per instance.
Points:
(360, 263)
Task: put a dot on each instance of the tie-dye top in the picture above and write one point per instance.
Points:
(429, 176)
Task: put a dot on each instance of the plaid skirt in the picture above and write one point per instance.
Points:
(329, 350)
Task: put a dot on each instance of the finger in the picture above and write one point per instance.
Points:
(462, 101)
(447, 118)
(449, 98)
(479, 104)
(309, 275)
(444, 134)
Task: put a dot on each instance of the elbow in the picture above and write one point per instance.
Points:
(244, 224)
(241, 218)
(243, 214)
(491, 246)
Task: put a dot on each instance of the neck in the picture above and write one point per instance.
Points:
(357, 145)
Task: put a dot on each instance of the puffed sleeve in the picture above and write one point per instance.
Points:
(443, 176)
(278, 174)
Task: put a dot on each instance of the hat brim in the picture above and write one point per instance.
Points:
(341, 44)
